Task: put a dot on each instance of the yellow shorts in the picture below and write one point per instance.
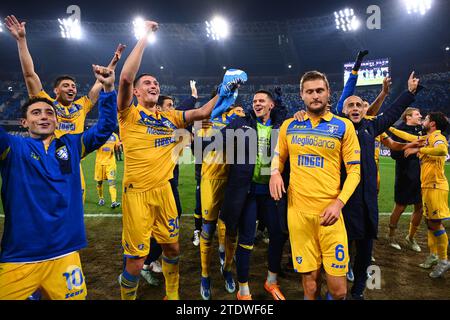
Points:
(105, 172)
(435, 204)
(59, 279)
(211, 194)
(313, 245)
(151, 213)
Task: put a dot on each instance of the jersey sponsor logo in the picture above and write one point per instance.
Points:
(310, 161)
(296, 126)
(34, 156)
(164, 141)
(62, 153)
(66, 126)
(313, 141)
(338, 266)
(332, 128)
(106, 149)
(299, 260)
(163, 124)
(141, 246)
(73, 294)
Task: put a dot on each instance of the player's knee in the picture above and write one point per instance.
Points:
(338, 293)
(208, 229)
(134, 265)
(310, 287)
(171, 250)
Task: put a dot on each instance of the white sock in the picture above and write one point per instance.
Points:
(271, 277)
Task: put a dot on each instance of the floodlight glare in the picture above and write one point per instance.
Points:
(217, 28)
(70, 28)
(1, 27)
(346, 20)
(447, 48)
(139, 30)
(417, 6)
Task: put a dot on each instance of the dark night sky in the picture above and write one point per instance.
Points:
(192, 11)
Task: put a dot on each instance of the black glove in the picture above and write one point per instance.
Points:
(359, 59)
(277, 91)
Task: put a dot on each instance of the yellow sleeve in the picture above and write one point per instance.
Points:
(86, 103)
(281, 150)
(404, 135)
(176, 117)
(351, 155)
(42, 94)
(437, 146)
(127, 114)
(383, 136)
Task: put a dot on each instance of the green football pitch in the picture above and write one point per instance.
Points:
(187, 186)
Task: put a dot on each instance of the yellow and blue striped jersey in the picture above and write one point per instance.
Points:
(70, 118)
(148, 142)
(432, 167)
(105, 154)
(316, 150)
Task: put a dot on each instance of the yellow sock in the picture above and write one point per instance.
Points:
(441, 243)
(205, 256)
(230, 250)
(100, 191)
(171, 271)
(412, 230)
(432, 243)
(128, 286)
(221, 232)
(113, 192)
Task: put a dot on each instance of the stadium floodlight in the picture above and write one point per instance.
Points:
(417, 6)
(139, 30)
(289, 66)
(224, 67)
(1, 27)
(346, 20)
(161, 67)
(447, 48)
(70, 28)
(217, 29)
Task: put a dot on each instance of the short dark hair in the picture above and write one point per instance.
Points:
(61, 78)
(268, 93)
(161, 100)
(440, 119)
(313, 75)
(28, 103)
(135, 82)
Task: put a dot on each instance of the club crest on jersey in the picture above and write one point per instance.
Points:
(332, 128)
(62, 153)
(34, 156)
(299, 260)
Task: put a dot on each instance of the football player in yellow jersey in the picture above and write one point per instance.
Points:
(432, 153)
(71, 113)
(317, 147)
(148, 138)
(105, 169)
(212, 186)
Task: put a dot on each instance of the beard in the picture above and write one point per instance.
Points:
(318, 111)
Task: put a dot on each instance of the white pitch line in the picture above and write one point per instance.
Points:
(119, 215)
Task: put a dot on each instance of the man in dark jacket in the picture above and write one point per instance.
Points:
(247, 195)
(407, 183)
(361, 211)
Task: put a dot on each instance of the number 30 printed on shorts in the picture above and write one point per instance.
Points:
(174, 226)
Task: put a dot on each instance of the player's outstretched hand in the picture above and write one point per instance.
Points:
(193, 88)
(387, 82)
(413, 83)
(151, 26)
(105, 76)
(118, 54)
(359, 59)
(276, 185)
(16, 28)
(331, 213)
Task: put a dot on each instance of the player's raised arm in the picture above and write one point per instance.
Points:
(376, 105)
(96, 136)
(17, 30)
(201, 113)
(95, 90)
(131, 68)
